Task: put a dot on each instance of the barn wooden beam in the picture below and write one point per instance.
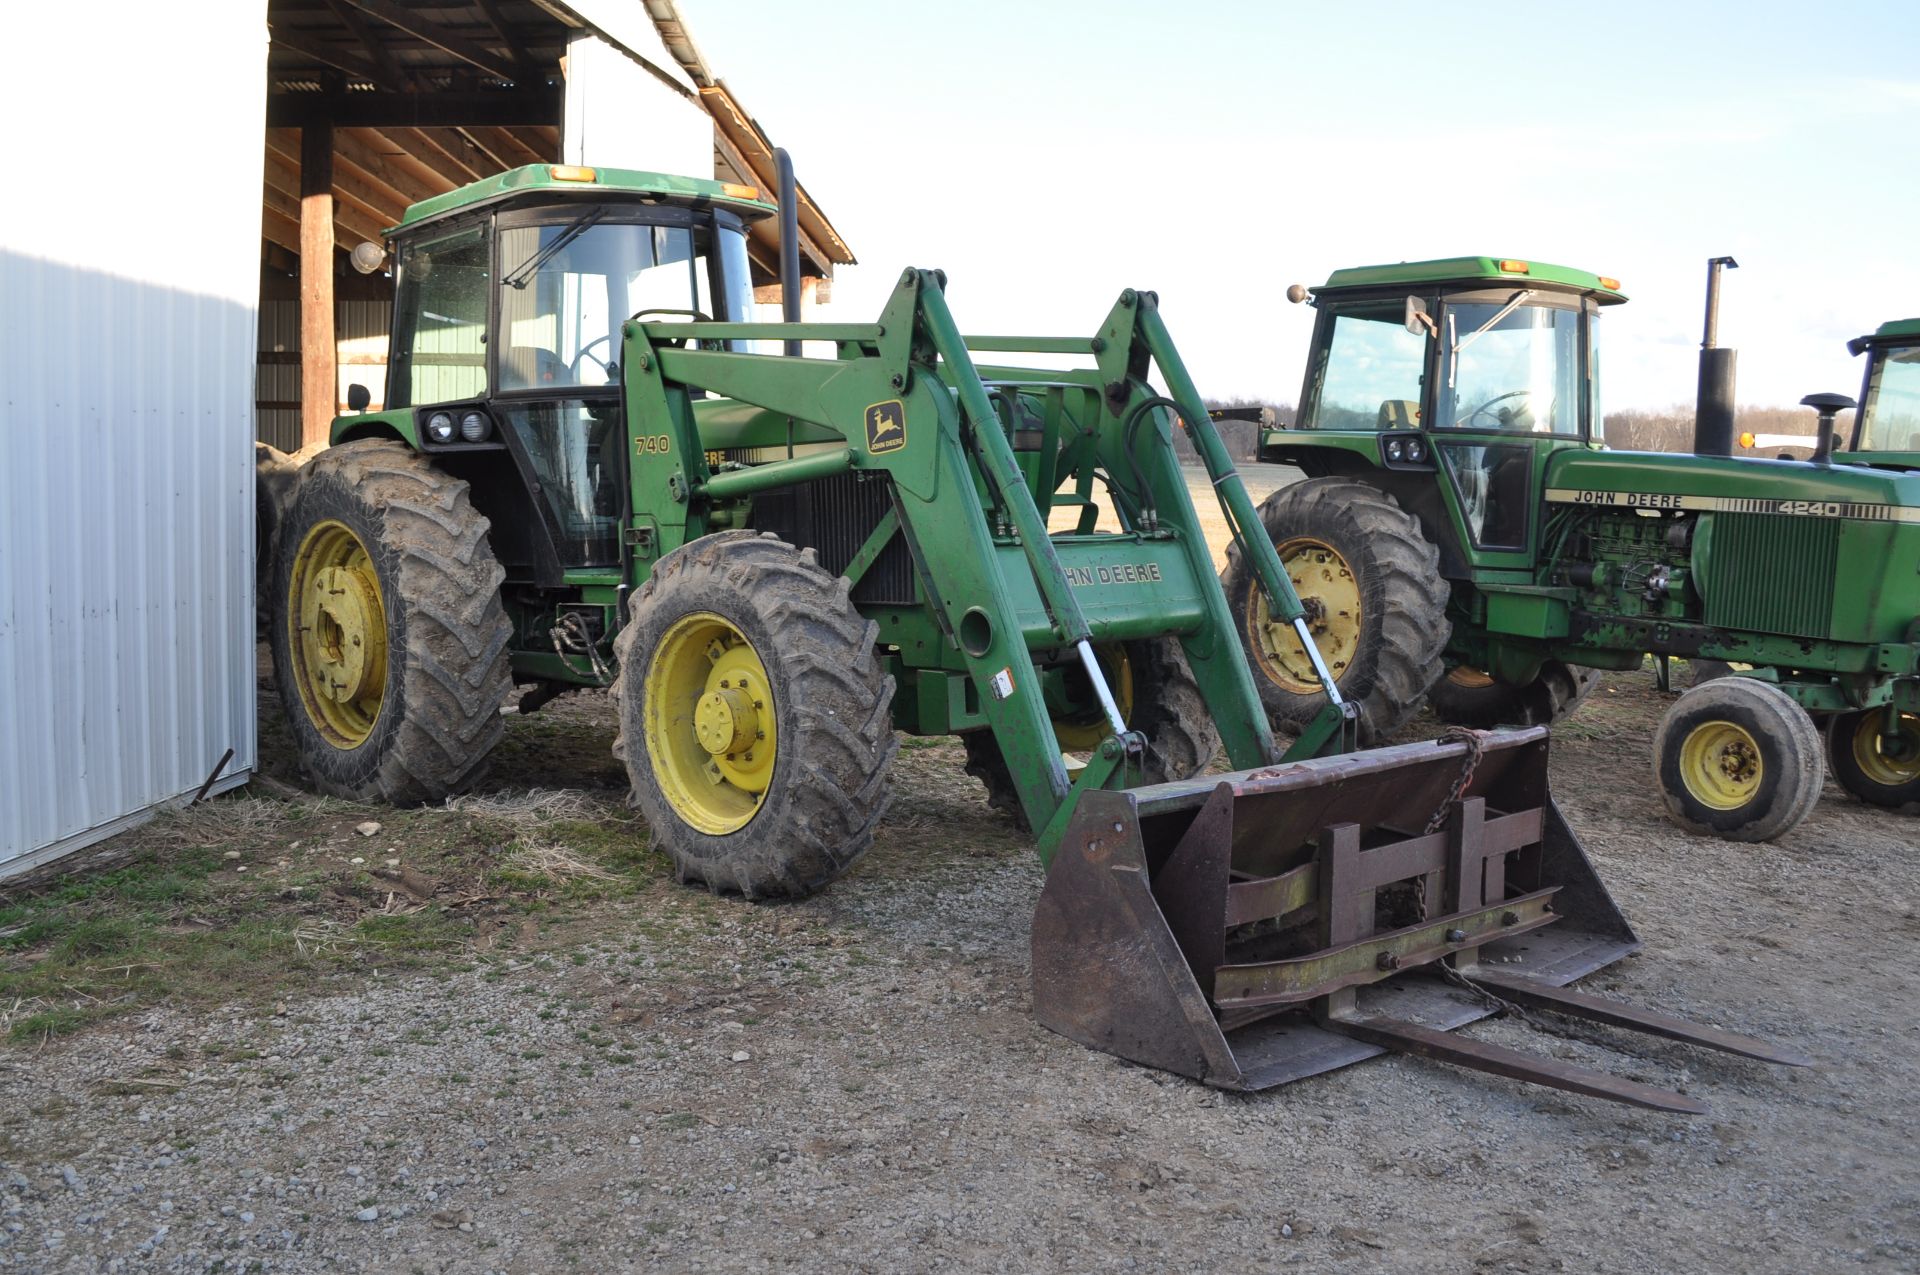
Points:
(301, 44)
(376, 201)
(490, 10)
(351, 225)
(502, 145)
(459, 150)
(279, 229)
(387, 161)
(526, 104)
(440, 38)
(457, 170)
(319, 378)
(377, 50)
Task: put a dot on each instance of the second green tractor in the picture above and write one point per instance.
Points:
(1463, 534)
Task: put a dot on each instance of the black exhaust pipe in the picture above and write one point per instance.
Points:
(1713, 401)
(789, 243)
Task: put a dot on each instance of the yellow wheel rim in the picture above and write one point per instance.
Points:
(1721, 766)
(1084, 733)
(337, 622)
(709, 720)
(1471, 679)
(1330, 591)
(1874, 763)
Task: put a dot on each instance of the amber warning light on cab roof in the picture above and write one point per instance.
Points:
(572, 173)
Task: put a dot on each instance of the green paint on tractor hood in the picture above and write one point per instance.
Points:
(540, 179)
(1469, 270)
(1737, 484)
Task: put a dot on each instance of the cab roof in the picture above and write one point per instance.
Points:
(569, 181)
(1892, 332)
(1471, 270)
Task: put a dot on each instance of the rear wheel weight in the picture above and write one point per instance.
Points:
(1468, 697)
(389, 638)
(1738, 758)
(1346, 545)
(770, 789)
(1878, 771)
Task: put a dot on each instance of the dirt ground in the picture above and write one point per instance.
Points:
(539, 1054)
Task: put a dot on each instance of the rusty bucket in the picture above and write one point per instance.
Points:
(1255, 928)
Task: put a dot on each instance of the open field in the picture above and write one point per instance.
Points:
(498, 1037)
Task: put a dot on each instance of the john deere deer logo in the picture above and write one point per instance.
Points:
(886, 427)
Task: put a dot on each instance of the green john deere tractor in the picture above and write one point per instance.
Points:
(591, 471)
(1463, 534)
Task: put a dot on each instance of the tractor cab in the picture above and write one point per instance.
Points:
(504, 363)
(1477, 367)
(1886, 428)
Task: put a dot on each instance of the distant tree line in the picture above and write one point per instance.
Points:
(1671, 429)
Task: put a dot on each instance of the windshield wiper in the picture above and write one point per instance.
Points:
(519, 275)
(1520, 298)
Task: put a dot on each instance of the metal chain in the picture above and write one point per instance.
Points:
(1476, 742)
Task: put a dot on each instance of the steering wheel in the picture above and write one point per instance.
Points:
(606, 364)
(1505, 418)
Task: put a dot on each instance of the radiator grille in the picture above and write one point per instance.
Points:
(834, 516)
(1773, 574)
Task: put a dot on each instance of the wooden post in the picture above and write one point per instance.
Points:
(319, 380)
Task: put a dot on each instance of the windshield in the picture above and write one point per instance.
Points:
(1511, 367)
(1369, 372)
(1890, 414)
(565, 289)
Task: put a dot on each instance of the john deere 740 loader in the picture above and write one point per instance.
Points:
(588, 472)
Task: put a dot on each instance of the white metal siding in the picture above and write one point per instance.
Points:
(129, 273)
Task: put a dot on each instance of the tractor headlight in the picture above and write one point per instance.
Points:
(474, 427)
(440, 427)
(1416, 450)
(1396, 450)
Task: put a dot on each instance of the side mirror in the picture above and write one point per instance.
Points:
(1418, 321)
(359, 398)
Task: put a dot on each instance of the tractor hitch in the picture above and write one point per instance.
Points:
(1256, 928)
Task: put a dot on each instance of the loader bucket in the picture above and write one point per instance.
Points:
(1256, 928)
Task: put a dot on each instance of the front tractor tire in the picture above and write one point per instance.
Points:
(1878, 768)
(389, 638)
(1156, 693)
(755, 716)
(1376, 605)
(1738, 758)
(1468, 697)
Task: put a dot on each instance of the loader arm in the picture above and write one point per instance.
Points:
(909, 400)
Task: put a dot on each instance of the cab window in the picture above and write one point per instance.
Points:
(1369, 374)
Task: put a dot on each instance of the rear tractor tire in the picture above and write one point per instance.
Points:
(1376, 606)
(389, 639)
(1157, 696)
(755, 716)
(1468, 697)
(1737, 758)
(1879, 770)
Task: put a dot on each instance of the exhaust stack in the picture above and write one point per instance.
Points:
(1713, 401)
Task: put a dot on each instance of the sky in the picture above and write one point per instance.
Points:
(1048, 154)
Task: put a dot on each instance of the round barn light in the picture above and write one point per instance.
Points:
(367, 257)
(474, 427)
(440, 427)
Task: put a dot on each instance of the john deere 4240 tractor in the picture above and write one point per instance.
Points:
(1462, 534)
(589, 472)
